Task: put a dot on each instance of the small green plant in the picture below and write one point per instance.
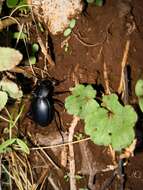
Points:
(9, 59)
(17, 3)
(139, 93)
(12, 142)
(108, 123)
(77, 177)
(32, 58)
(68, 31)
(79, 136)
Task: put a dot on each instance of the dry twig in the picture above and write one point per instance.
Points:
(71, 154)
(121, 87)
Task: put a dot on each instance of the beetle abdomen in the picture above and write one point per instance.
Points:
(42, 111)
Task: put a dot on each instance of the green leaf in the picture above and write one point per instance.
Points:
(139, 88)
(19, 35)
(3, 99)
(35, 48)
(9, 58)
(77, 103)
(115, 127)
(88, 92)
(129, 116)
(84, 91)
(99, 2)
(90, 1)
(78, 90)
(72, 23)
(97, 126)
(72, 105)
(122, 137)
(90, 107)
(107, 124)
(23, 146)
(32, 60)
(16, 3)
(5, 144)
(11, 3)
(11, 88)
(67, 32)
(139, 93)
(141, 103)
(111, 103)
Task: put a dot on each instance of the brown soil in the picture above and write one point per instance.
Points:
(96, 49)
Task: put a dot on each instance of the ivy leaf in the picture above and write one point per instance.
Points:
(111, 103)
(78, 90)
(3, 99)
(72, 105)
(122, 137)
(23, 146)
(105, 127)
(88, 92)
(75, 104)
(90, 107)
(9, 58)
(96, 125)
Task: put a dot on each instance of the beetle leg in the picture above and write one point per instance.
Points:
(60, 128)
(63, 92)
(59, 102)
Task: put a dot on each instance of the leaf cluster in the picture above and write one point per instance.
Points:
(17, 144)
(11, 143)
(108, 123)
(9, 58)
(68, 31)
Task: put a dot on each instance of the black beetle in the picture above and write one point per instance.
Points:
(42, 105)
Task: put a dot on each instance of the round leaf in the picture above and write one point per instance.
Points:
(72, 23)
(35, 48)
(11, 88)
(67, 32)
(32, 60)
(9, 58)
(3, 99)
